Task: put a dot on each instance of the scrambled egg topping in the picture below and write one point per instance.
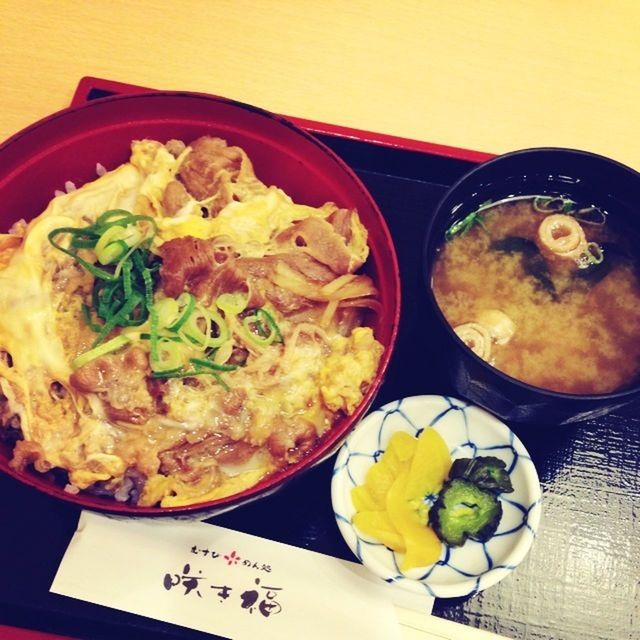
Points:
(352, 363)
(285, 397)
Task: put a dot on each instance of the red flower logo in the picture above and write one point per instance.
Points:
(232, 558)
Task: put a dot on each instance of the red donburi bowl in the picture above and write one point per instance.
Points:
(67, 145)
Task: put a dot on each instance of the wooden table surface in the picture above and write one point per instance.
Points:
(489, 75)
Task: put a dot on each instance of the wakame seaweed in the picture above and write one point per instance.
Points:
(533, 262)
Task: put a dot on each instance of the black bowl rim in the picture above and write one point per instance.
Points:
(426, 272)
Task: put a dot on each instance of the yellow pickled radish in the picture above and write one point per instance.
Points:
(363, 500)
(403, 445)
(390, 505)
(378, 525)
(390, 460)
(378, 480)
(429, 466)
(422, 545)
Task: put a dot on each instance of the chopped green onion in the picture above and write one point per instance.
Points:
(168, 311)
(148, 287)
(147, 336)
(118, 318)
(213, 365)
(593, 255)
(232, 303)
(181, 373)
(198, 370)
(553, 204)
(562, 204)
(590, 215)
(127, 285)
(197, 328)
(169, 357)
(147, 279)
(178, 373)
(273, 326)
(463, 226)
(105, 222)
(260, 328)
(541, 203)
(223, 353)
(83, 241)
(186, 304)
(153, 342)
(91, 268)
(219, 380)
(596, 252)
(122, 294)
(108, 347)
(111, 215)
(111, 246)
(260, 341)
(86, 313)
(126, 258)
(222, 329)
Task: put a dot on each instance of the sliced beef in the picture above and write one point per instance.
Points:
(175, 147)
(292, 440)
(210, 164)
(120, 380)
(132, 486)
(190, 461)
(129, 489)
(157, 388)
(341, 222)
(233, 401)
(188, 264)
(320, 240)
(191, 264)
(175, 196)
(307, 266)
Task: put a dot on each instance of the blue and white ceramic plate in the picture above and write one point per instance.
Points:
(469, 432)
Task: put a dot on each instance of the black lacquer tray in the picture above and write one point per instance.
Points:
(581, 580)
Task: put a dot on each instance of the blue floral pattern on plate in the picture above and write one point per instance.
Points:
(469, 432)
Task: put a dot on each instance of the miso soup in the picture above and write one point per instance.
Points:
(545, 290)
